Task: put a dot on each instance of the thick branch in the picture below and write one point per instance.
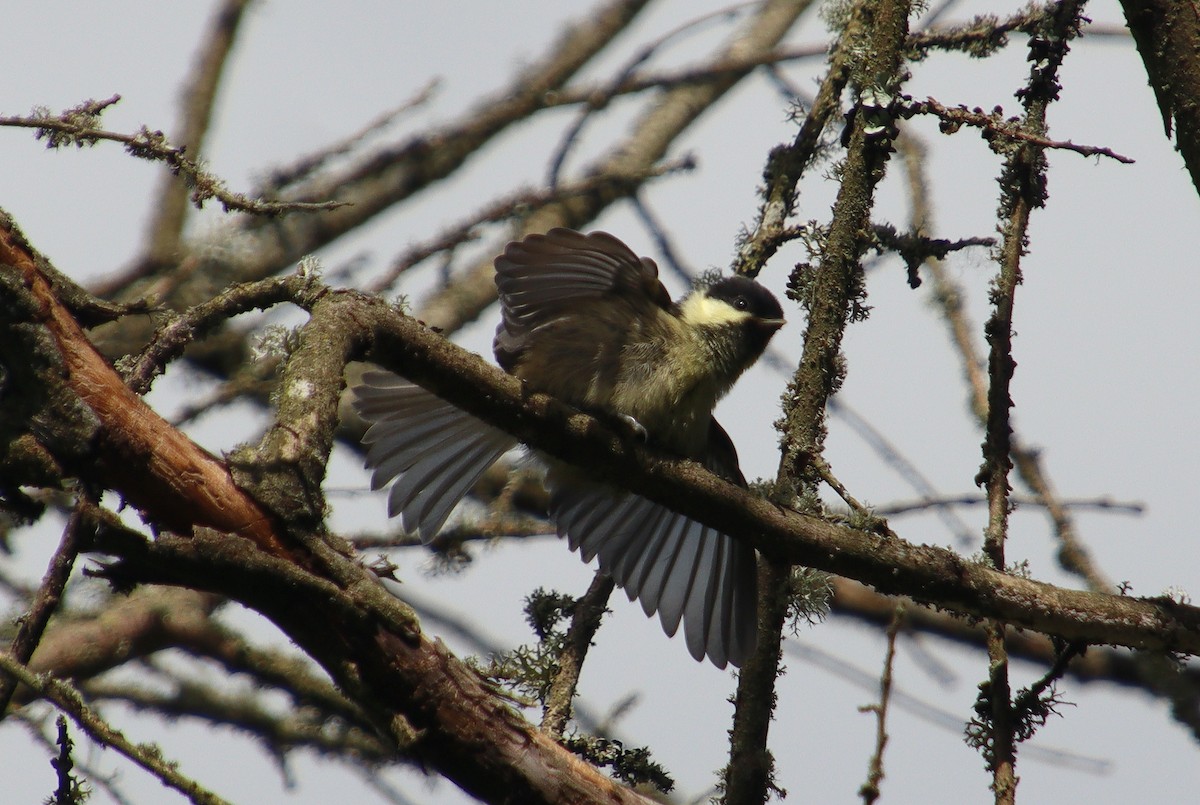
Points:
(366, 639)
(1167, 33)
(933, 575)
(929, 574)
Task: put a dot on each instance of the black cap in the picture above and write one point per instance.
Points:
(745, 294)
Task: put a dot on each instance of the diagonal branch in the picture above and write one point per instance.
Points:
(652, 136)
(33, 625)
(169, 214)
(283, 564)
(929, 574)
(79, 126)
(68, 699)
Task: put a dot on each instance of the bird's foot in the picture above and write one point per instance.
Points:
(639, 430)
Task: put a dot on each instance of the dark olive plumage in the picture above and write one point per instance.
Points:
(585, 319)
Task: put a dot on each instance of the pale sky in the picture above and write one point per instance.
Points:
(1106, 349)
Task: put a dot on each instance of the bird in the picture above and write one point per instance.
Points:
(588, 321)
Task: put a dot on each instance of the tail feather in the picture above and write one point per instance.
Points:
(700, 608)
(434, 451)
(684, 570)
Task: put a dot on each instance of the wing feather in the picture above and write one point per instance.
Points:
(433, 450)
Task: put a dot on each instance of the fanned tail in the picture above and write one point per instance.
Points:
(435, 451)
(671, 564)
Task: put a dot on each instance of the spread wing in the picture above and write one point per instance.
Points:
(435, 451)
(670, 563)
(542, 277)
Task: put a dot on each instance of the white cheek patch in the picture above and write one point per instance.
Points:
(700, 308)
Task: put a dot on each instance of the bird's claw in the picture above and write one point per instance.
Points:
(638, 428)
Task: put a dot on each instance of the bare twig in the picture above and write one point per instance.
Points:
(870, 789)
(318, 730)
(892, 457)
(994, 126)
(1101, 504)
(69, 700)
(279, 178)
(516, 204)
(45, 601)
(169, 213)
(179, 330)
(38, 729)
(598, 100)
(597, 96)
(79, 126)
(584, 623)
(949, 721)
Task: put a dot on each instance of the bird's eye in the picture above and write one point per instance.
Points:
(741, 303)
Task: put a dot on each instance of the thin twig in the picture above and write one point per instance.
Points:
(658, 233)
(924, 504)
(69, 788)
(994, 125)
(181, 329)
(892, 457)
(70, 701)
(79, 126)
(45, 601)
(870, 789)
(281, 177)
(316, 729)
(584, 623)
(38, 727)
(597, 96)
(823, 471)
(512, 205)
(915, 248)
(599, 100)
(929, 712)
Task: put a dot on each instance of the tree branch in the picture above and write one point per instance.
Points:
(170, 212)
(1167, 34)
(927, 573)
(67, 699)
(366, 639)
(79, 126)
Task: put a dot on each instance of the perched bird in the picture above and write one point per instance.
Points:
(586, 320)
